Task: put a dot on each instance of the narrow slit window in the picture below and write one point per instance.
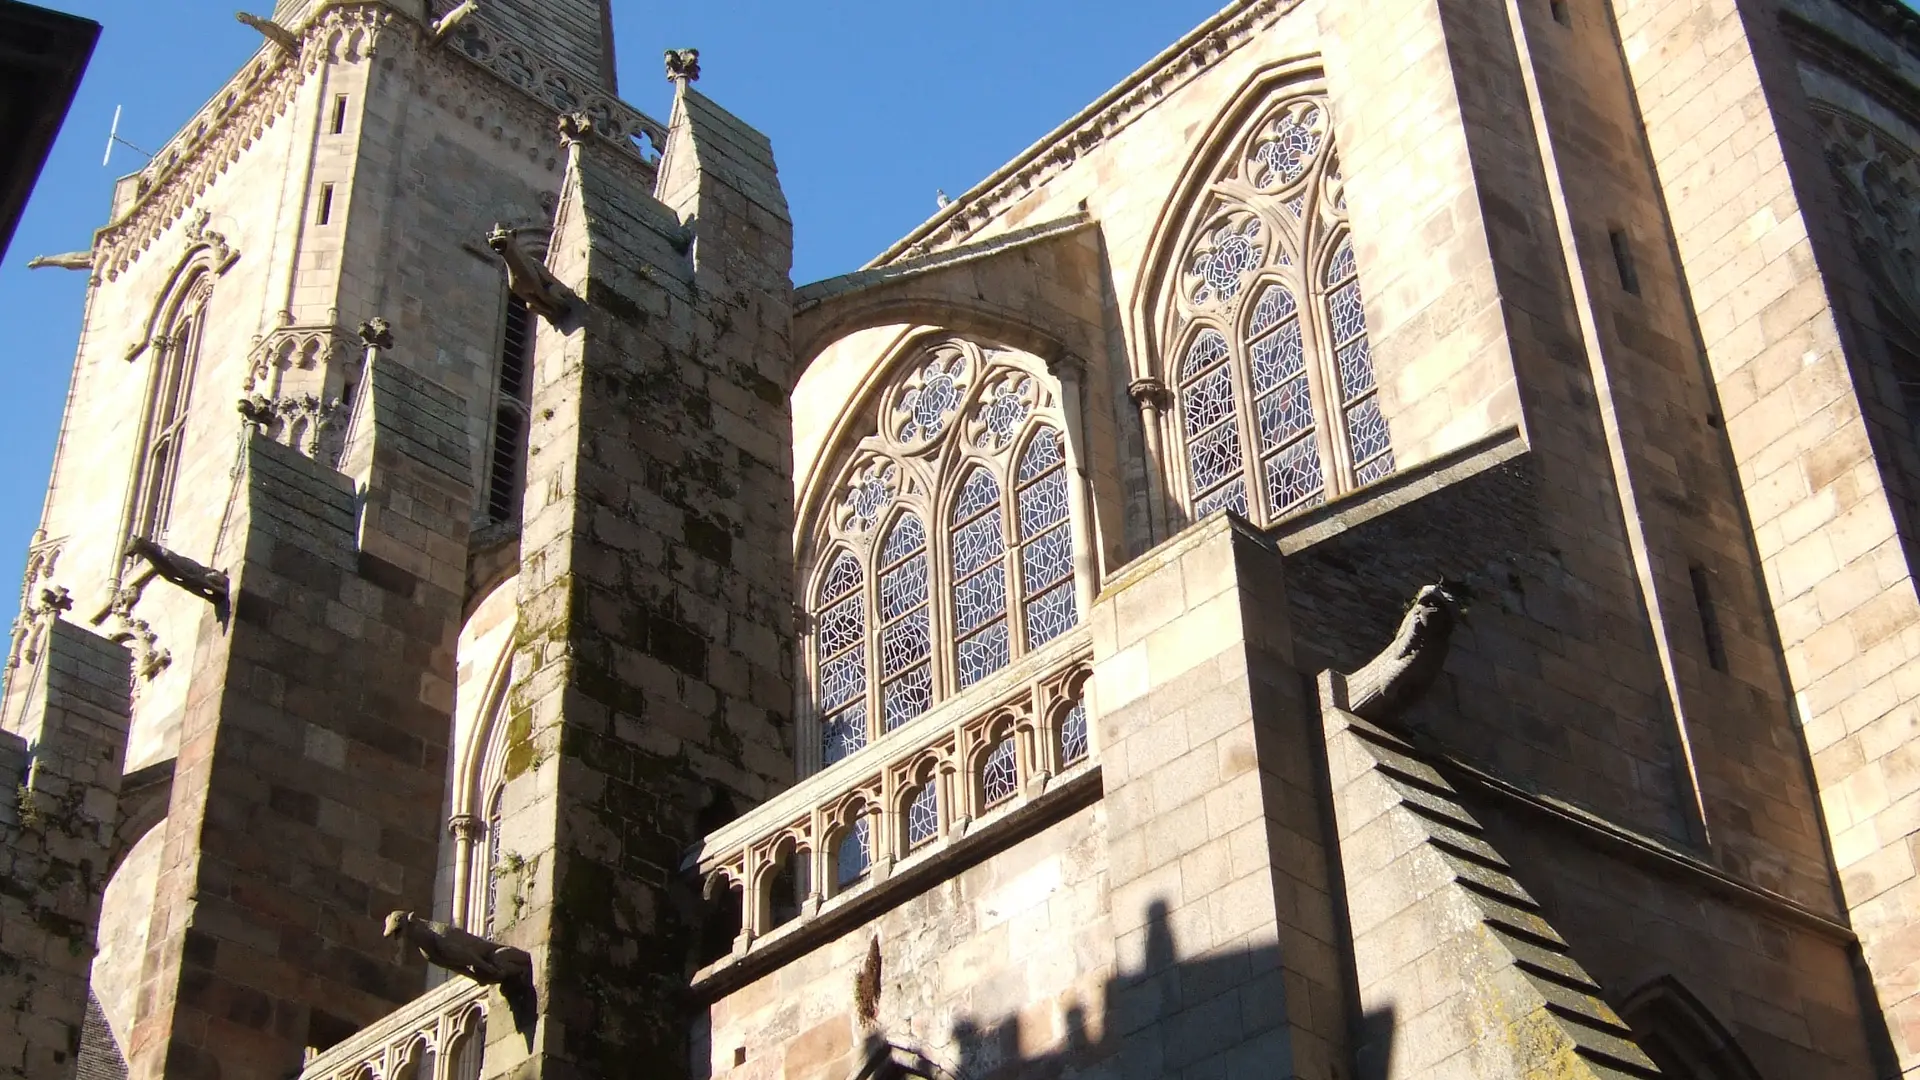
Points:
(340, 115)
(1623, 261)
(1561, 13)
(1709, 618)
(326, 204)
(506, 476)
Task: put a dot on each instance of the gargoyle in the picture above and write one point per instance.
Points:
(683, 64)
(203, 582)
(72, 260)
(527, 279)
(445, 946)
(270, 30)
(446, 24)
(376, 333)
(1403, 670)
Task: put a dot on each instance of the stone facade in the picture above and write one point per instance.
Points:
(1384, 547)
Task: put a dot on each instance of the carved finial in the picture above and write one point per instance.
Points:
(272, 31)
(447, 23)
(1391, 681)
(866, 989)
(376, 333)
(683, 64)
(72, 260)
(575, 127)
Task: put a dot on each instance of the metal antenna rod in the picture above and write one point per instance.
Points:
(114, 137)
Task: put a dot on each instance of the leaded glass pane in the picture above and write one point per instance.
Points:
(842, 578)
(978, 493)
(1378, 469)
(979, 600)
(1293, 475)
(938, 395)
(842, 679)
(923, 815)
(843, 733)
(1073, 735)
(1276, 304)
(1214, 457)
(1207, 350)
(1051, 614)
(907, 537)
(1228, 263)
(907, 697)
(1356, 368)
(1000, 773)
(1232, 497)
(1285, 415)
(842, 626)
(906, 642)
(904, 587)
(856, 852)
(1367, 429)
(1004, 414)
(1043, 504)
(1291, 149)
(1209, 400)
(1342, 266)
(1046, 560)
(977, 543)
(1043, 453)
(1348, 313)
(1278, 357)
(983, 655)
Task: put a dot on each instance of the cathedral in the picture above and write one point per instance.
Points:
(1384, 547)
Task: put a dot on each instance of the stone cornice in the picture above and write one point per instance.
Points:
(1112, 113)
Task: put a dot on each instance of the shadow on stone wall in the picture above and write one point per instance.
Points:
(1222, 1015)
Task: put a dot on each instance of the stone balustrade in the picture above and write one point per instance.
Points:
(946, 777)
(441, 1033)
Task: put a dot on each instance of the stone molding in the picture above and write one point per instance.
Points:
(1093, 126)
(432, 1023)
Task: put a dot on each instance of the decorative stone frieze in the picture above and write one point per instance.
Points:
(433, 1034)
(554, 86)
(38, 598)
(984, 754)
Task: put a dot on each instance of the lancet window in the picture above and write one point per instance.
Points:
(1277, 404)
(947, 550)
(176, 360)
(506, 466)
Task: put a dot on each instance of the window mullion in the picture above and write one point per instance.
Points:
(1323, 382)
(1011, 550)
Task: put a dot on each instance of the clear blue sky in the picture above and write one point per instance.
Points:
(872, 105)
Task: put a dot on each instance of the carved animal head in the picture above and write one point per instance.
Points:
(399, 923)
(500, 239)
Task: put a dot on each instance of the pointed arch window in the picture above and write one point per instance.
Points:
(1277, 401)
(507, 463)
(947, 551)
(178, 359)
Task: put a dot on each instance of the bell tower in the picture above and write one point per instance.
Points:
(286, 388)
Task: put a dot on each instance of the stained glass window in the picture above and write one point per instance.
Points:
(923, 814)
(855, 853)
(841, 643)
(980, 579)
(927, 407)
(1046, 541)
(1073, 734)
(1278, 403)
(906, 639)
(1367, 435)
(999, 773)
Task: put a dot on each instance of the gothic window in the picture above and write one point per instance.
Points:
(923, 814)
(855, 853)
(176, 360)
(492, 867)
(999, 773)
(506, 466)
(841, 642)
(1277, 402)
(947, 549)
(1073, 734)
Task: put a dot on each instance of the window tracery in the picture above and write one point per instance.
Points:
(948, 550)
(177, 360)
(1278, 403)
